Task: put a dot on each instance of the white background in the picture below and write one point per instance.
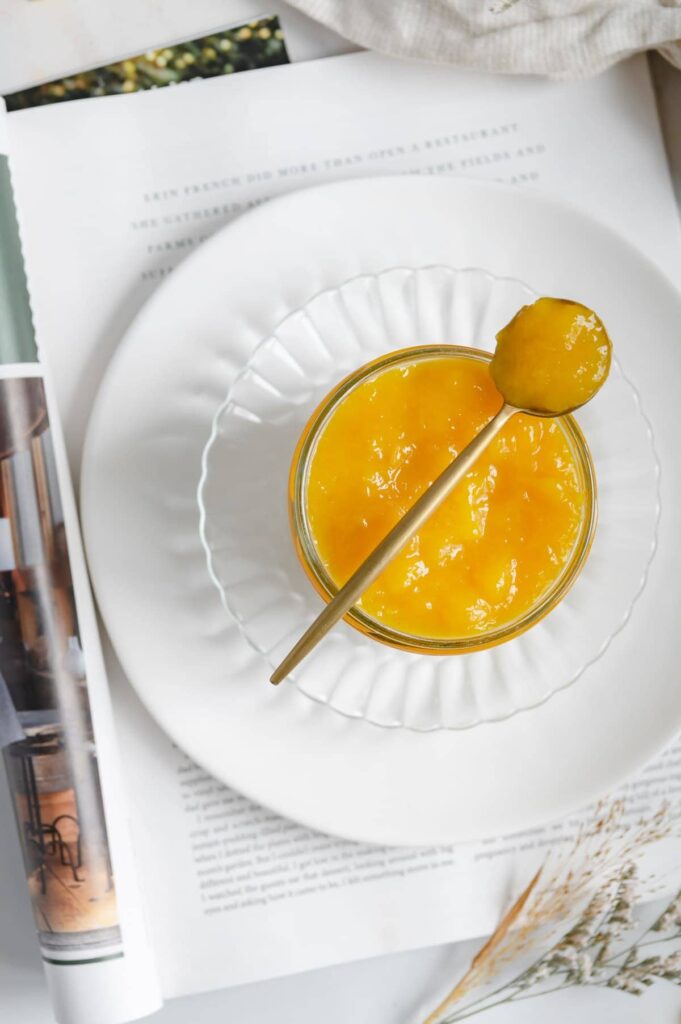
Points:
(66, 34)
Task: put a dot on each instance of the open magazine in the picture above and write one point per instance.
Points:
(56, 730)
(147, 878)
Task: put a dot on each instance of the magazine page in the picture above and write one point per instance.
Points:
(223, 52)
(264, 897)
(128, 186)
(56, 728)
(76, 34)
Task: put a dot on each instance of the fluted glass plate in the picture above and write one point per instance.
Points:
(244, 516)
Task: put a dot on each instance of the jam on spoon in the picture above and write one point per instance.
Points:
(552, 357)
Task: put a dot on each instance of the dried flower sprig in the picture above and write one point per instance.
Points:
(599, 875)
(480, 959)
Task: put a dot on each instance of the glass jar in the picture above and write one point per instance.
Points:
(358, 617)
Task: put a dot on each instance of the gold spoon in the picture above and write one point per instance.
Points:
(569, 351)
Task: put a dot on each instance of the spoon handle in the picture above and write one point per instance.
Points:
(397, 537)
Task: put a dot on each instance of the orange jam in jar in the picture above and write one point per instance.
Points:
(499, 552)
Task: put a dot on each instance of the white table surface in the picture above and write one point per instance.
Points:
(388, 990)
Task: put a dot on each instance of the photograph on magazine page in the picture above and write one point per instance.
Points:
(46, 732)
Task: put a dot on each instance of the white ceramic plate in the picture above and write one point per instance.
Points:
(190, 664)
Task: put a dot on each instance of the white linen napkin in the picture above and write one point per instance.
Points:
(560, 38)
